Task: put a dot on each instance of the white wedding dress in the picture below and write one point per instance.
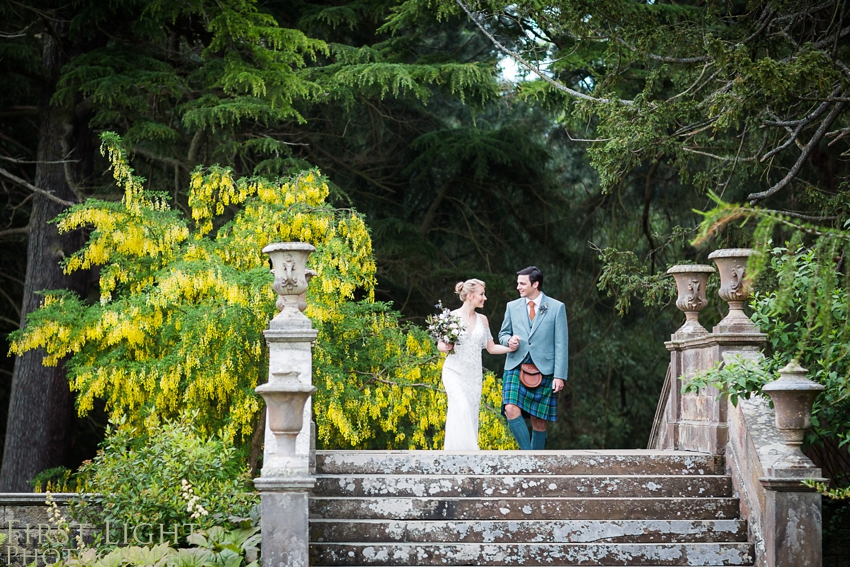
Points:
(462, 376)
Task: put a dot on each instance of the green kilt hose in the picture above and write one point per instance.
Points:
(540, 401)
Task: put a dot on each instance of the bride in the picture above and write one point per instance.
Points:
(462, 369)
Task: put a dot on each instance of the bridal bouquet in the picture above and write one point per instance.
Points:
(444, 326)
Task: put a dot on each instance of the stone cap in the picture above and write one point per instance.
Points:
(284, 481)
(691, 269)
(793, 378)
(286, 246)
(731, 253)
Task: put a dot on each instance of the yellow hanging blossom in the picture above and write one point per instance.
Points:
(178, 328)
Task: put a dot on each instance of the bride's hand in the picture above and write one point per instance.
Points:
(513, 346)
(445, 347)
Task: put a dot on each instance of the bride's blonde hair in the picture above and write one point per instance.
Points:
(462, 289)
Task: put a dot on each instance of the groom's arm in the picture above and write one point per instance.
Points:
(561, 343)
(506, 332)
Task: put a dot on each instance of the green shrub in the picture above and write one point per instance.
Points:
(57, 479)
(173, 476)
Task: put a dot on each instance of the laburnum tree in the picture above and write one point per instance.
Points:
(177, 329)
(186, 83)
(73, 68)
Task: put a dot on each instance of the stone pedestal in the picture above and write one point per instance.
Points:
(285, 481)
(793, 530)
(291, 358)
(792, 523)
(285, 520)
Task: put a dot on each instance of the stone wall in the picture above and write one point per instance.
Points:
(24, 523)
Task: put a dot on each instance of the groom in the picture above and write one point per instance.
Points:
(537, 324)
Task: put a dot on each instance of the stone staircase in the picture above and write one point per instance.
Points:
(553, 508)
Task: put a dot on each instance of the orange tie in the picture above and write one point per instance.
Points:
(531, 310)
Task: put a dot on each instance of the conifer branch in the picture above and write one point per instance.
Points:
(534, 68)
(14, 231)
(29, 161)
(166, 160)
(813, 142)
(34, 189)
(801, 123)
(667, 59)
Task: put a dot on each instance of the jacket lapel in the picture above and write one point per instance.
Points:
(538, 317)
(521, 314)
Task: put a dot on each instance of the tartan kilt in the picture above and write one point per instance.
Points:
(540, 401)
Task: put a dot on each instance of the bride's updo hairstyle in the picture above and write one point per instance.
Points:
(462, 289)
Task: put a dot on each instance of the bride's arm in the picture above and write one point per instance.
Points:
(494, 348)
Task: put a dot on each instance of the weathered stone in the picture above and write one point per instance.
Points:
(285, 482)
(530, 508)
(532, 554)
(524, 508)
(631, 486)
(517, 462)
(532, 531)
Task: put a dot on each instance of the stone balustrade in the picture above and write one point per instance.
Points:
(784, 516)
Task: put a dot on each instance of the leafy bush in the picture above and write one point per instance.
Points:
(57, 479)
(741, 378)
(173, 476)
(215, 547)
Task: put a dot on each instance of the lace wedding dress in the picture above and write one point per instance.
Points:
(462, 376)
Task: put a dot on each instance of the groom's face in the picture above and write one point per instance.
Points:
(525, 287)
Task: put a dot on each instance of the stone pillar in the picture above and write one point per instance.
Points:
(285, 481)
(699, 422)
(792, 521)
(691, 281)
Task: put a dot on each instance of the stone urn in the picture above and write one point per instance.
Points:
(302, 299)
(793, 397)
(734, 289)
(285, 398)
(289, 266)
(691, 280)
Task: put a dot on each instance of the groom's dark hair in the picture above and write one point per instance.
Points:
(534, 275)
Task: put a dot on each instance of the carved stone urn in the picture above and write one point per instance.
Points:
(302, 299)
(691, 280)
(793, 396)
(289, 265)
(734, 289)
(285, 397)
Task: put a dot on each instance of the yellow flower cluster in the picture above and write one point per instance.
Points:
(179, 325)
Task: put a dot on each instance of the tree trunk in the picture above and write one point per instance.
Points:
(41, 410)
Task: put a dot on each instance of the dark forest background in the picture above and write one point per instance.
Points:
(645, 111)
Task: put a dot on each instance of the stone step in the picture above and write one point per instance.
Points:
(532, 554)
(523, 486)
(593, 508)
(532, 531)
(536, 463)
